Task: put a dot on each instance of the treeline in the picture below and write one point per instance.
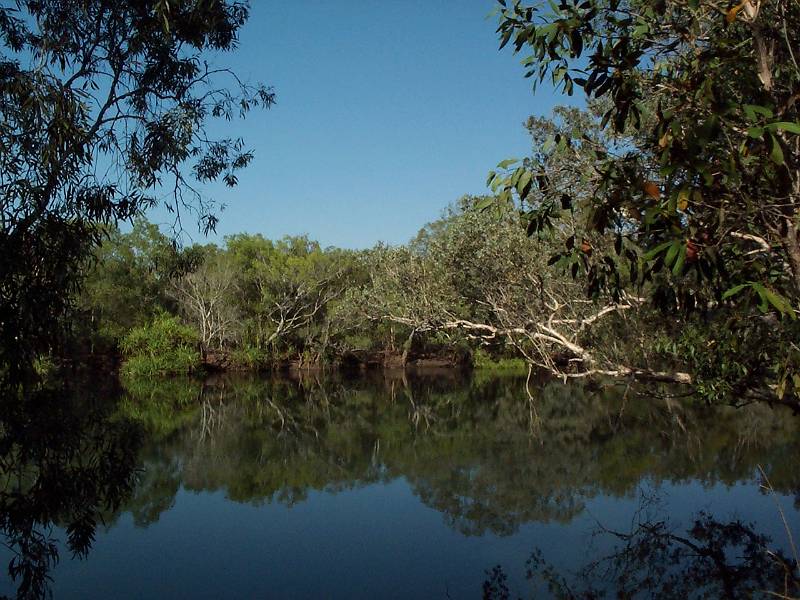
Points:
(254, 303)
(489, 282)
(470, 288)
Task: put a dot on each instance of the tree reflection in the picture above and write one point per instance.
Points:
(465, 449)
(656, 559)
(470, 450)
(65, 463)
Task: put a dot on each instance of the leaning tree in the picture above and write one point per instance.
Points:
(700, 196)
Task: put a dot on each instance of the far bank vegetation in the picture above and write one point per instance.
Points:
(485, 285)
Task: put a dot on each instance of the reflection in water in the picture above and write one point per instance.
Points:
(478, 452)
(65, 463)
(656, 559)
(467, 451)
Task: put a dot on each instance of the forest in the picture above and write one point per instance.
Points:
(473, 288)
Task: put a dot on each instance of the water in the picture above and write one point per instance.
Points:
(436, 486)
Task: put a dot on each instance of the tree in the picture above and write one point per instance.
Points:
(477, 277)
(288, 286)
(104, 109)
(206, 298)
(130, 278)
(701, 196)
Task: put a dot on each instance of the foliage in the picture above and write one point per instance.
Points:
(104, 109)
(482, 360)
(249, 358)
(692, 182)
(463, 286)
(163, 346)
(725, 366)
(129, 280)
(479, 278)
(254, 299)
(287, 288)
(45, 367)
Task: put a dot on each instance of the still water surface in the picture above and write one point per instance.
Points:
(439, 486)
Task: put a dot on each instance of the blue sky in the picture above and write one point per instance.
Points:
(387, 112)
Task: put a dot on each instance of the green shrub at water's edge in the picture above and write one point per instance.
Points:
(45, 366)
(482, 360)
(164, 346)
(250, 358)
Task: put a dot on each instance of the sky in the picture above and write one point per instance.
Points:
(387, 111)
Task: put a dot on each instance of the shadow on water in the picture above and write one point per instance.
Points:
(67, 463)
(656, 558)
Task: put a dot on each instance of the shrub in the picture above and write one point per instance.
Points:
(249, 357)
(164, 346)
(483, 360)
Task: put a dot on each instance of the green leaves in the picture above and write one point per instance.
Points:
(672, 253)
(697, 165)
(767, 298)
(752, 111)
(523, 185)
(541, 218)
(484, 203)
(755, 132)
(93, 84)
(734, 290)
(784, 126)
(654, 252)
(504, 164)
(674, 257)
(677, 268)
(775, 150)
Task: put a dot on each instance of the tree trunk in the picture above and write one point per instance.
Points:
(407, 347)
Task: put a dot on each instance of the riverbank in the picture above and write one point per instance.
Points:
(215, 361)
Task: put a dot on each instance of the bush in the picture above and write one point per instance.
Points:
(249, 357)
(483, 360)
(165, 346)
(726, 362)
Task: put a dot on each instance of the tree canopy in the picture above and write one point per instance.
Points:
(691, 165)
(104, 108)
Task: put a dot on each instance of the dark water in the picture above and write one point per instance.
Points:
(394, 487)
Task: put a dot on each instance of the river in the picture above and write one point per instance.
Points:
(438, 486)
